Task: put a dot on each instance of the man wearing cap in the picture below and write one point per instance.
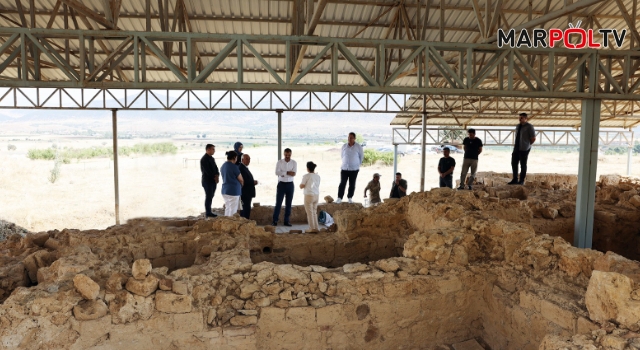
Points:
(472, 149)
(445, 168)
(374, 187)
(525, 137)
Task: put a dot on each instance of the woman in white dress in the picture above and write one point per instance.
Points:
(311, 186)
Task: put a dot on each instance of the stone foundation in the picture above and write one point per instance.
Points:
(426, 272)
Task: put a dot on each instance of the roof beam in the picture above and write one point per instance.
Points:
(630, 23)
(311, 29)
(54, 13)
(550, 16)
(87, 12)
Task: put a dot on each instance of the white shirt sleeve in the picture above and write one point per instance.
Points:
(280, 170)
(295, 167)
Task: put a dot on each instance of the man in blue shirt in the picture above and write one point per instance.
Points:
(352, 157)
(472, 149)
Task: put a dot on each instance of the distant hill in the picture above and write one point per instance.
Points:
(157, 121)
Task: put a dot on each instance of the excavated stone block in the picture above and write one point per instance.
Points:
(608, 297)
(635, 201)
(143, 287)
(86, 286)
(173, 303)
(289, 274)
(89, 310)
(140, 269)
(243, 320)
(180, 287)
(173, 248)
(116, 282)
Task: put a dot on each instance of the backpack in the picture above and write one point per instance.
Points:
(324, 218)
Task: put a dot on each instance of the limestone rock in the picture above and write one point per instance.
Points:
(328, 199)
(355, 268)
(141, 268)
(300, 302)
(549, 213)
(143, 287)
(89, 310)
(289, 274)
(318, 303)
(180, 287)
(243, 320)
(635, 201)
(247, 290)
(165, 284)
(126, 307)
(173, 303)
(116, 282)
(608, 297)
(86, 287)
(387, 265)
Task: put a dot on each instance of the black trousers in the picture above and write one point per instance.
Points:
(446, 181)
(209, 191)
(345, 175)
(519, 157)
(246, 206)
(283, 189)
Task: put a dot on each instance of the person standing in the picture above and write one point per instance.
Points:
(472, 149)
(399, 187)
(210, 178)
(232, 184)
(525, 137)
(237, 147)
(374, 187)
(352, 157)
(311, 186)
(249, 188)
(286, 169)
(445, 168)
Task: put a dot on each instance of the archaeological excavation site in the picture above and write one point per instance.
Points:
(490, 268)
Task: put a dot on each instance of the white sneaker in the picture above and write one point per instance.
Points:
(350, 200)
(339, 200)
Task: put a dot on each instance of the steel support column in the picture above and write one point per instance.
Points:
(395, 161)
(629, 154)
(279, 111)
(114, 119)
(583, 229)
(423, 143)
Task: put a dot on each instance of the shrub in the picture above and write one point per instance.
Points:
(55, 172)
(371, 157)
(46, 154)
(11, 147)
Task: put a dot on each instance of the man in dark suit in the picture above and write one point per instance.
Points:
(249, 188)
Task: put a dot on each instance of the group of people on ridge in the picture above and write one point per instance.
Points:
(525, 137)
(239, 186)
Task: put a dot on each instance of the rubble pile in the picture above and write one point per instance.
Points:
(432, 269)
(552, 199)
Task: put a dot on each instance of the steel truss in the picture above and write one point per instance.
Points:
(505, 137)
(34, 58)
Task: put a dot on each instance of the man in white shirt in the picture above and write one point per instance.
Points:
(286, 169)
(352, 156)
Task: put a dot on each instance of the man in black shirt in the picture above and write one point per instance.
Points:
(210, 177)
(445, 168)
(249, 188)
(525, 137)
(472, 149)
(399, 187)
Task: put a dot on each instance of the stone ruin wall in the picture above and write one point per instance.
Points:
(470, 267)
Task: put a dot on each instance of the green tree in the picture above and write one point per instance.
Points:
(451, 133)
